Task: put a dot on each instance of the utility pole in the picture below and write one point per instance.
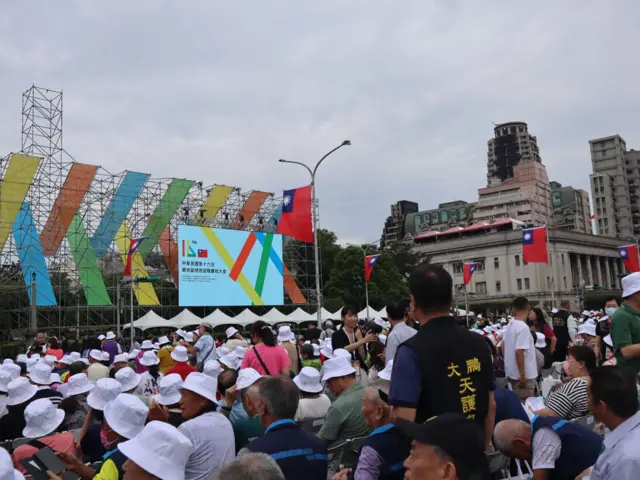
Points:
(33, 324)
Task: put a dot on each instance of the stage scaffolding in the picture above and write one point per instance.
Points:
(74, 210)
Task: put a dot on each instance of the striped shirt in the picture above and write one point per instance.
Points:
(570, 400)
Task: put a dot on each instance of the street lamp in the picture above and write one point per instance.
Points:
(314, 216)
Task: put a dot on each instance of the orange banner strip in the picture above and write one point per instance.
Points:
(291, 287)
(66, 206)
(242, 258)
(251, 207)
(169, 249)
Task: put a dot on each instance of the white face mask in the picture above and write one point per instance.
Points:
(610, 310)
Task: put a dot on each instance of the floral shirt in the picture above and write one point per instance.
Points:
(148, 385)
(75, 420)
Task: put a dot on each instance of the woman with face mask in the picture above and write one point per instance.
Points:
(570, 401)
(603, 328)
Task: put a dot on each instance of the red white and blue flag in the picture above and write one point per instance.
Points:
(534, 245)
(133, 246)
(295, 220)
(629, 256)
(370, 262)
(468, 269)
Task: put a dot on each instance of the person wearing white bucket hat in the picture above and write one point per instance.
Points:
(344, 419)
(124, 419)
(20, 394)
(180, 358)
(230, 361)
(313, 403)
(287, 340)
(210, 432)
(13, 369)
(75, 404)
(148, 384)
(164, 355)
(96, 369)
(212, 368)
(310, 357)
(42, 420)
(5, 378)
(129, 381)
(40, 376)
(234, 339)
(106, 390)
(146, 345)
(7, 471)
(385, 374)
(160, 451)
(120, 360)
(169, 398)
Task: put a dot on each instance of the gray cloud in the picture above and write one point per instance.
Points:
(218, 91)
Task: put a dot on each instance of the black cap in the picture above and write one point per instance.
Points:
(457, 436)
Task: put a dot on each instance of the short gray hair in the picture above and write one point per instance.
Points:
(506, 431)
(373, 392)
(281, 396)
(250, 466)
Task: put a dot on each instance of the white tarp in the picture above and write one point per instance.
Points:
(275, 316)
(217, 318)
(299, 315)
(245, 317)
(326, 315)
(150, 320)
(186, 318)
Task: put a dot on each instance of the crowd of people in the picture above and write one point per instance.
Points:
(422, 394)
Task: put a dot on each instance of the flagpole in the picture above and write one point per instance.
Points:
(466, 304)
(550, 260)
(366, 280)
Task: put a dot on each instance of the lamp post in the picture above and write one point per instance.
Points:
(314, 216)
(366, 282)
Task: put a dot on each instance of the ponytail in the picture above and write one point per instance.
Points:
(263, 332)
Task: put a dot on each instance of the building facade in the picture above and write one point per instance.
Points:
(512, 144)
(581, 264)
(570, 208)
(615, 187)
(394, 226)
(451, 214)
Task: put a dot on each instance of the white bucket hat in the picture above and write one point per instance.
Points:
(327, 351)
(202, 384)
(169, 390)
(540, 343)
(163, 340)
(230, 332)
(41, 374)
(127, 378)
(126, 415)
(630, 284)
(22, 357)
(101, 337)
(106, 357)
(79, 383)
(121, 358)
(285, 334)
(316, 349)
(55, 378)
(308, 380)
(382, 339)
(239, 352)
(180, 354)
(212, 368)
(341, 352)
(133, 355)
(75, 356)
(7, 361)
(246, 378)
(96, 355)
(50, 360)
(149, 358)
(41, 418)
(160, 449)
(110, 336)
(230, 360)
(587, 329)
(7, 472)
(147, 345)
(32, 362)
(222, 351)
(5, 378)
(13, 369)
(19, 391)
(66, 360)
(105, 392)
(188, 337)
(180, 332)
(337, 367)
(385, 373)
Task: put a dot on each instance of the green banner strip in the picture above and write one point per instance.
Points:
(163, 213)
(264, 263)
(89, 274)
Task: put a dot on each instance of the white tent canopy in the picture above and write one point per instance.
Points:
(299, 315)
(217, 318)
(244, 318)
(275, 316)
(326, 315)
(186, 318)
(150, 320)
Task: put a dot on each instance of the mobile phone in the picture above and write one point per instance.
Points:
(50, 460)
(33, 466)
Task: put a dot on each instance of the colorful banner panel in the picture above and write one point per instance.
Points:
(213, 204)
(89, 274)
(251, 207)
(13, 190)
(220, 267)
(169, 249)
(161, 217)
(32, 258)
(144, 292)
(75, 187)
(117, 211)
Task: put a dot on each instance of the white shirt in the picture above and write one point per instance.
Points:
(3, 407)
(213, 444)
(148, 385)
(313, 408)
(96, 371)
(546, 448)
(399, 333)
(621, 456)
(518, 337)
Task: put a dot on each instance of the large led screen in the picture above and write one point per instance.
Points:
(220, 267)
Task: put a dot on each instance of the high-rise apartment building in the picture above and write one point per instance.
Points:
(570, 208)
(615, 187)
(394, 226)
(512, 144)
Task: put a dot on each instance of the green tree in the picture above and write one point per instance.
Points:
(329, 250)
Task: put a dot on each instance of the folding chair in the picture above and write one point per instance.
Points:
(350, 451)
(312, 425)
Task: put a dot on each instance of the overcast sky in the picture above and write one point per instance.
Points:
(218, 91)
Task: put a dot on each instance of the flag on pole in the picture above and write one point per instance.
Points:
(468, 269)
(629, 256)
(534, 245)
(133, 246)
(370, 262)
(295, 220)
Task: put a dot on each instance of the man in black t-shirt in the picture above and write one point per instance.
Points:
(312, 333)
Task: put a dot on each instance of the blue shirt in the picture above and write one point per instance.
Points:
(508, 406)
(620, 458)
(204, 345)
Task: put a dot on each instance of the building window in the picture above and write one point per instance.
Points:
(565, 282)
(548, 282)
(527, 285)
(457, 268)
(517, 260)
(481, 287)
(480, 267)
(444, 216)
(498, 286)
(496, 263)
(562, 259)
(519, 284)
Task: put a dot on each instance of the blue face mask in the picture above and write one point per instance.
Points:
(610, 310)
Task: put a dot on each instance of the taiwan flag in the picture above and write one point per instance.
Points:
(369, 263)
(133, 246)
(629, 256)
(534, 245)
(295, 220)
(468, 269)
(203, 253)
